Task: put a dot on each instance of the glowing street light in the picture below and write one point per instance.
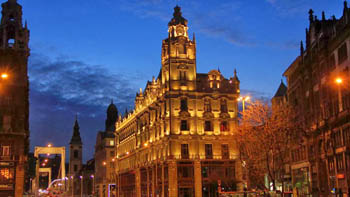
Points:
(49, 145)
(339, 80)
(243, 99)
(4, 76)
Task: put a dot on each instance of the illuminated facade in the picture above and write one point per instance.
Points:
(14, 104)
(178, 140)
(322, 162)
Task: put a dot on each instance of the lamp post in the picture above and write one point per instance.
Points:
(243, 99)
(72, 177)
(81, 186)
(93, 184)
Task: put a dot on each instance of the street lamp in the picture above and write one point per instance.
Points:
(81, 186)
(243, 99)
(93, 184)
(4, 76)
(339, 82)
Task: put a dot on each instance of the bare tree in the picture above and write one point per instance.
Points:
(265, 137)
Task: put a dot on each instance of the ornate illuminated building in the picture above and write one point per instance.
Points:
(178, 140)
(14, 104)
(318, 88)
(105, 155)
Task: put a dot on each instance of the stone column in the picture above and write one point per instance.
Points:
(197, 178)
(172, 177)
(138, 182)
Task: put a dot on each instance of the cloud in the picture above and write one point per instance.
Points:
(290, 7)
(61, 88)
(212, 18)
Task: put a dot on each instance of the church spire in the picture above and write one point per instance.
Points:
(76, 139)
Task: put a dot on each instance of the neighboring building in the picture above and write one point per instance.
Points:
(178, 140)
(75, 158)
(14, 103)
(322, 161)
(87, 173)
(105, 155)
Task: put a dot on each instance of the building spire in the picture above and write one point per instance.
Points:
(323, 16)
(76, 139)
(311, 15)
(301, 48)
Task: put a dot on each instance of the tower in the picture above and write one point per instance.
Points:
(178, 56)
(75, 150)
(14, 104)
(112, 117)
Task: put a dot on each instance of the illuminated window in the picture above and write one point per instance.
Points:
(111, 142)
(6, 174)
(183, 75)
(208, 151)
(224, 126)
(184, 125)
(184, 151)
(5, 150)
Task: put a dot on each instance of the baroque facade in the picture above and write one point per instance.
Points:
(178, 140)
(14, 104)
(319, 90)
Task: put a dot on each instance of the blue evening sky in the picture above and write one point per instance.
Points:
(86, 52)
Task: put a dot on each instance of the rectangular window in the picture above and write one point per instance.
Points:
(112, 153)
(342, 54)
(5, 150)
(224, 151)
(111, 164)
(209, 151)
(208, 126)
(223, 106)
(184, 105)
(184, 151)
(75, 168)
(184, 126)
(224, 126)
(111, 142)
(6, 175)
(339, 159)
(207, 105)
